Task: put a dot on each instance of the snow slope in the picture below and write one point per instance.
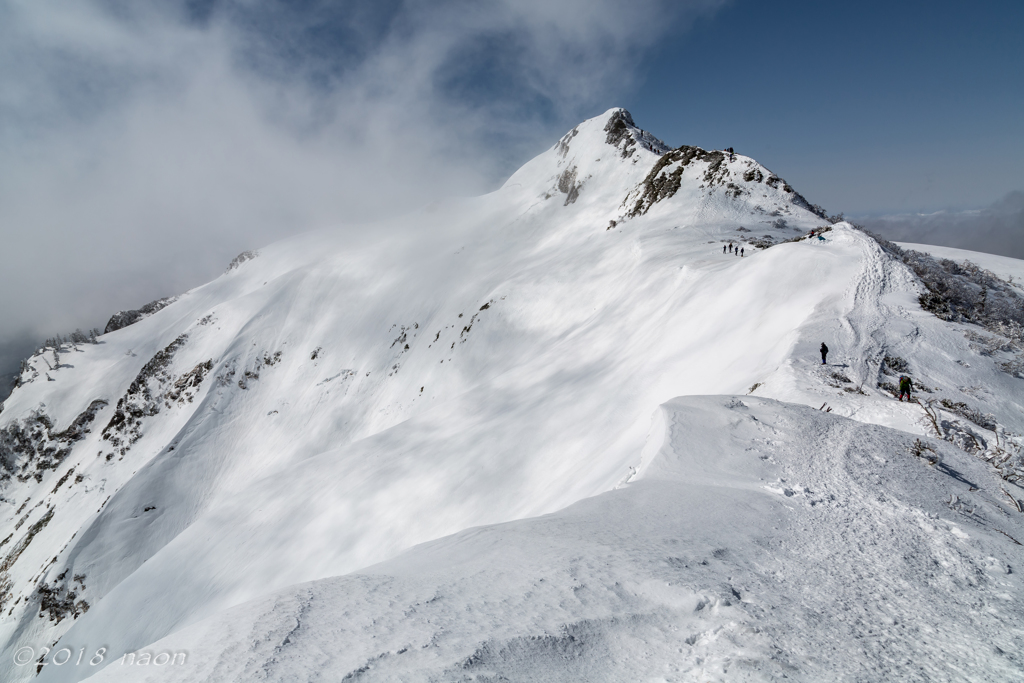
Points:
(328, 404)
(761, 541)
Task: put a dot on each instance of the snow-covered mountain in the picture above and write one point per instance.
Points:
(235, 478)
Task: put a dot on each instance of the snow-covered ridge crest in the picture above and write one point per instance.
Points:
(737, 175)
(624, 135)
(597, 158)
(328, 405)
(606, 147)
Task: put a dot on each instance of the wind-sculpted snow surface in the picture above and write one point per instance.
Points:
(760, 541)
(329, 404)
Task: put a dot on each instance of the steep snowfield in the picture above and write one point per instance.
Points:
(761, 541)
(328, 404)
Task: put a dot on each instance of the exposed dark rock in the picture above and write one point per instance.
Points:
(60, 600)
(187, 385)
(240, 259)
(143, 398)
(562, 146)
(661, 183)
(617, 128)
(567, 184)
(15, 553)
(123, 319)
(29, 447)
(266, 360)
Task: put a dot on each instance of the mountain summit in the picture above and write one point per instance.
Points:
(611, 430)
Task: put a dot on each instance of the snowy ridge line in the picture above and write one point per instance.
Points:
(336, 404)
(760, 535)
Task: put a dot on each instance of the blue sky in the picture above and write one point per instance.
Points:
(144, 143)
(867, 107)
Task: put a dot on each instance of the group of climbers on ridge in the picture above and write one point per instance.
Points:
(739, 251)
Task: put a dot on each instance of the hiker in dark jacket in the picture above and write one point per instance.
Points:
(824, 352)
(905, 387)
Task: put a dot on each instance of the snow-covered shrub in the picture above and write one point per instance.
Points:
(962, 436)
(1007, 456)
(1013, 367)
(839, 377)
(960, 408)
(988, 345)
(26, 374)
(77, 337)
(961, 292)
(896, 364)
(762, 242)
(920, 449)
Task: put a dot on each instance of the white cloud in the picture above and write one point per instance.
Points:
(142, 145)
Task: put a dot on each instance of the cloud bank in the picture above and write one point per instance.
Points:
(997, 229)
(143, 144)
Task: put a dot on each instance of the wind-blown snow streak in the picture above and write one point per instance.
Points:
(325, 405)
